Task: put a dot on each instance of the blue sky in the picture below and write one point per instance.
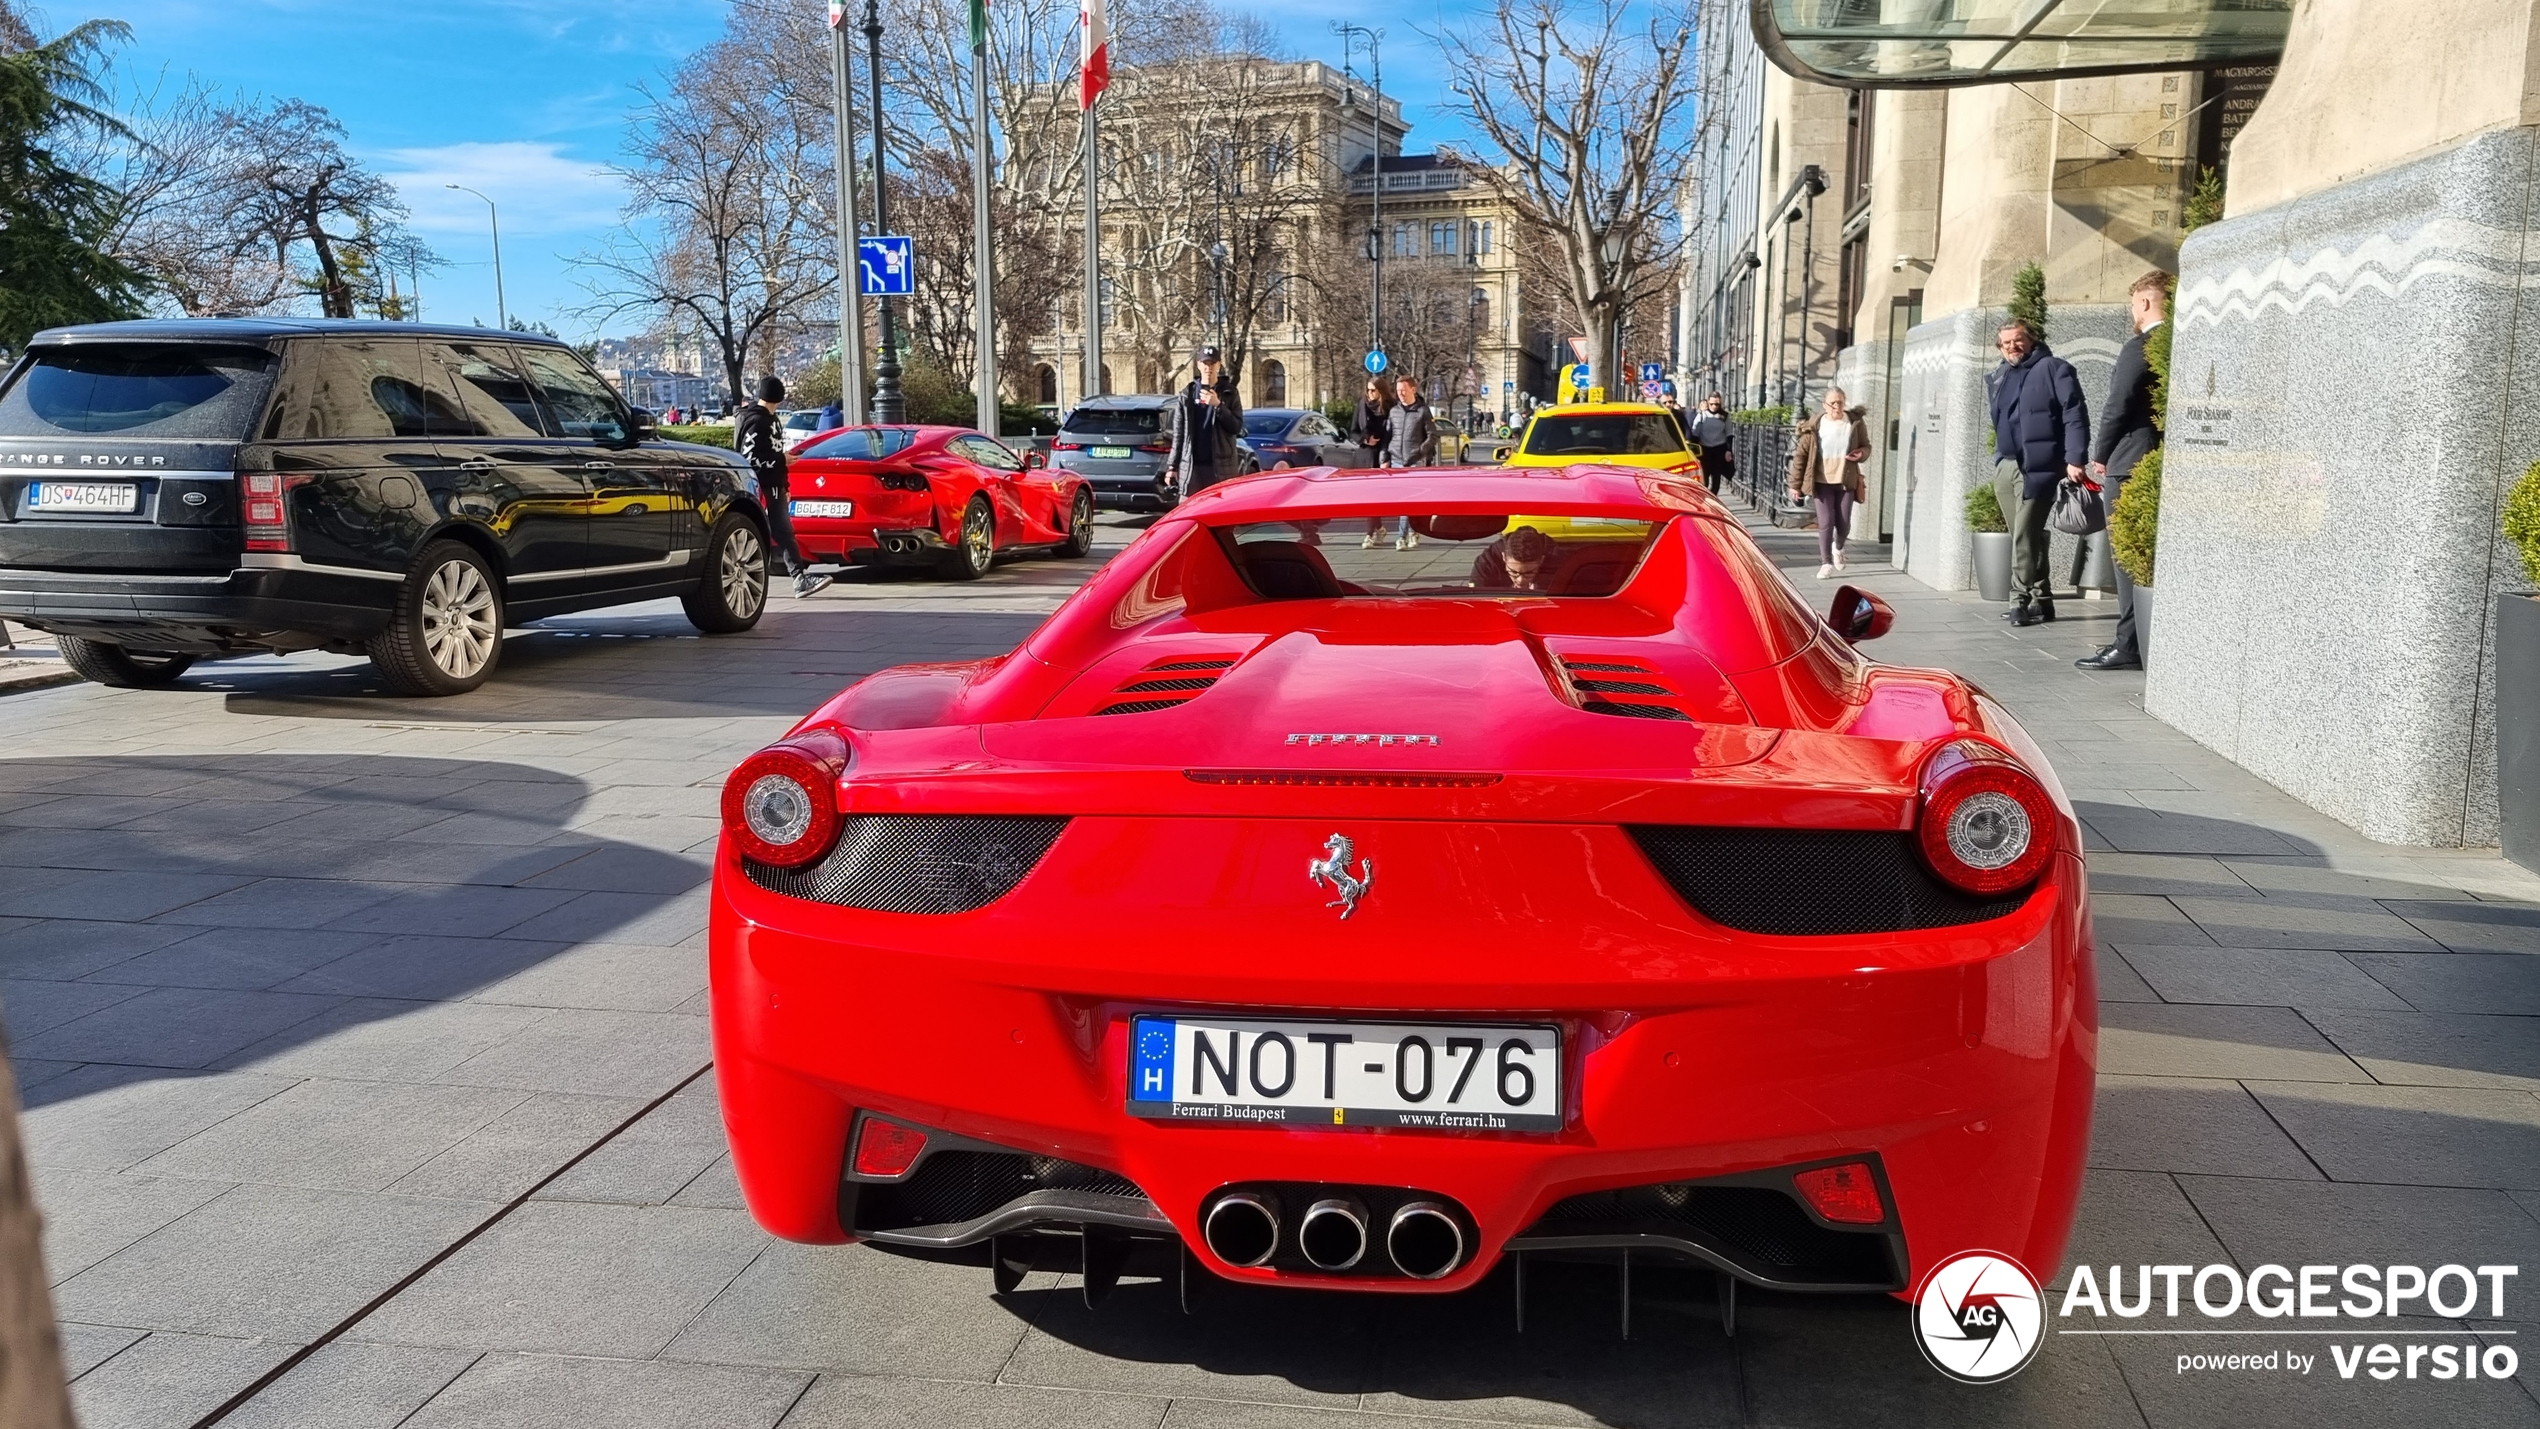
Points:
(524, 99)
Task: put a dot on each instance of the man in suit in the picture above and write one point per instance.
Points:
(2127, 434)
(2041, 437)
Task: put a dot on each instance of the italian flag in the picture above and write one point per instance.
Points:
(1093, 74)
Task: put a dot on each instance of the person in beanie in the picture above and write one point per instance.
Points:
(1208, 417)
(2041, 437)
(755, 437)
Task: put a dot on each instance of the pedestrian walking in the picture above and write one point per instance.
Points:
(1711, 439)
(1411, 439)
(832, 417)
(2041, 437)
(1207, 417)
(2127, 434)
(1367, 431)
(1825, 468)
(756, 438)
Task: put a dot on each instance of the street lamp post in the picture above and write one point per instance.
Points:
(502, 315)
(888, 408)
(1375, 171)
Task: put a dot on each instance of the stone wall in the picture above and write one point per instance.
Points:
(2355, 381)
(1943, 452)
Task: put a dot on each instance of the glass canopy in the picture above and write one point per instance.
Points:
(1921, 43)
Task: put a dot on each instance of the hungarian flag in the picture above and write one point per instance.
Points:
(1093, 72)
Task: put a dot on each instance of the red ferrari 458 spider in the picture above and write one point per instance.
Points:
(1294, 907)
(944, 497)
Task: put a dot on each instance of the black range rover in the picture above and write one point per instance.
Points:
(184, 488)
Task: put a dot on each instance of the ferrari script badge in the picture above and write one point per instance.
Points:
(1332, 871)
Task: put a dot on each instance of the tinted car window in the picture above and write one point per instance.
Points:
(577, 400)
(144, 391)
(862, 444)
(1266, 424)
(336, 390)
(990, 454)
(1113, 421)
(493, 398)
(1604, 434)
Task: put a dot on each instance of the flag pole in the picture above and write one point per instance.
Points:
(850, 310)
(982, 262)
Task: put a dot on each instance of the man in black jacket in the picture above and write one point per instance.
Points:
(2041, 436)
(2125, 437)
(1208, 417)
(756, 437)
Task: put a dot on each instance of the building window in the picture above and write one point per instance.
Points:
(1110, 306)
(1402, 240)
(1485, 248)
(1442, 239)
(1274, 383)
(1480, 305)
(1045, 385)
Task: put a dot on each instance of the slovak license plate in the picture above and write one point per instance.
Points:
(1112, 453)
(1448, 1076)
(109, 496)
(824, 508)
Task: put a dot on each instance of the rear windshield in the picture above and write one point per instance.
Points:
(1604, 434)
(1388, 556)
(141, 390)
(1267, 424)
(862, 444)
(1113, 421)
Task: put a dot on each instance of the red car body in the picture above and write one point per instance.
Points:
(916, 501)
(1187, 745)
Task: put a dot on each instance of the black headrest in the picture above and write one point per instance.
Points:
(1289, 570)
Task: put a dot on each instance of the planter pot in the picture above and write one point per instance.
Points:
(1993, 564)
(2143, 623)
(2518, 726)
(2099, 566)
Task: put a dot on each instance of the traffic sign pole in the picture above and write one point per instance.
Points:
(850, 310)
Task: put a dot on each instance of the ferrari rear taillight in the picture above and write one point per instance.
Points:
(900, 481)
(1986, 825)
(781, 805)
(1845, 1195)
(886, 1148)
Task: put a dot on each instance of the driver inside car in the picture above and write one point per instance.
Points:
(1515, 561)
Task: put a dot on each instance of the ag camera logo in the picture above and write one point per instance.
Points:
(1979, 1317)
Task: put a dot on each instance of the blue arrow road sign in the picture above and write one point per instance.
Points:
(888, 267)
(1652, 372)
(1375, 362)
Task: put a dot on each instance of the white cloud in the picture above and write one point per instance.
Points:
(540, 188)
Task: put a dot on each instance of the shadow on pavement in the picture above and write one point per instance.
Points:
(171, 917)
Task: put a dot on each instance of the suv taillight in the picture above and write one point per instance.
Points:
(265, 506)
(1159, 447)
(781, 805)
(1986, 826)
(1067, 446)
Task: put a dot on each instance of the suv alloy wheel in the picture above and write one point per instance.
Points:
(732, 593)
(446, 633)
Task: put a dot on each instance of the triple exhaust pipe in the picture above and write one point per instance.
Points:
(1423, 1239)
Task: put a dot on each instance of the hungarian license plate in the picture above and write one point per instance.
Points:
(1112, 453)
(108, 496)
(1447, 1076)
(824, 508)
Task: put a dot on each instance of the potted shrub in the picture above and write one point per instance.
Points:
(2518, 682)
(2134, 529)
(1992, 536)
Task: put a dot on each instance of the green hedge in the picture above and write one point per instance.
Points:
(2522, 520)
(702, 434)
(2134, 526)
(1762, 416)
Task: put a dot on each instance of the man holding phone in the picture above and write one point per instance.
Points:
(1207, 418)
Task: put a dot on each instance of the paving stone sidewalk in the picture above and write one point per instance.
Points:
(304, 984)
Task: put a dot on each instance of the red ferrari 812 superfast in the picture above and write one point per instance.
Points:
(1306, 904)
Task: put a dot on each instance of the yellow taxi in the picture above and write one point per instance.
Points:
(1641, 434)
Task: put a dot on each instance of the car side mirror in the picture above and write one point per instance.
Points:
(1858, 615)
(1034, 461)
(641, 426)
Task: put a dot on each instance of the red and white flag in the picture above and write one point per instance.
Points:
(1093, 72)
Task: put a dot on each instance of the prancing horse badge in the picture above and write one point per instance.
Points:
(1332, 871)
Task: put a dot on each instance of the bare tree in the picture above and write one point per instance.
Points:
(1588, 124)
(729, 234)
(32, 1395)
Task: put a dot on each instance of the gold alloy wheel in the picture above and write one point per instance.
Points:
(459, 630)
(743, 571)
(978, 536)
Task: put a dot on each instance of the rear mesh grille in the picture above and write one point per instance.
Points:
(1622, 687)
(1590, 693)
(919, 863)
(1604, 665)
(1811, 882)
(1755, 1225)
(1191, 664)
(1146, 687)
(1634, 711)
(1139, 707)
(1160, 679)
(950, 1187)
